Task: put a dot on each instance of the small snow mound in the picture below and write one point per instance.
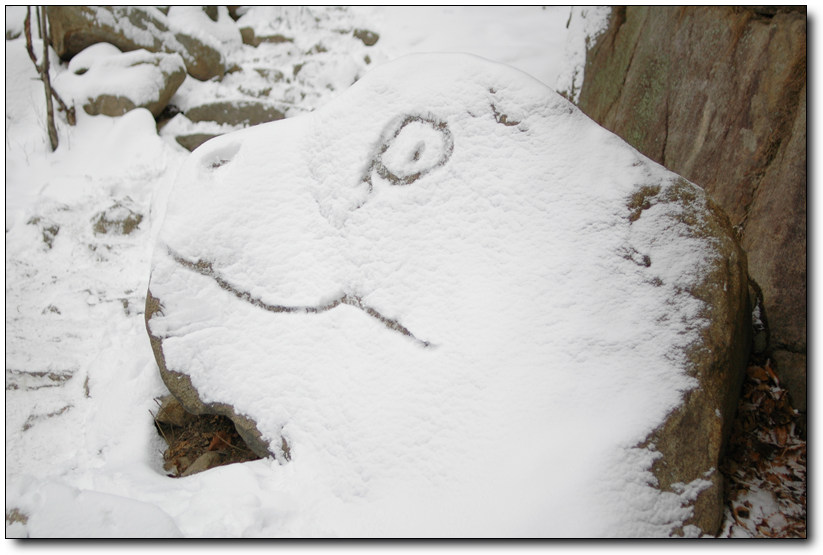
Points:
(71, 513)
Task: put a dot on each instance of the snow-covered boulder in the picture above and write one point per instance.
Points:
(452, 305)
(105, 81)
(75, 28)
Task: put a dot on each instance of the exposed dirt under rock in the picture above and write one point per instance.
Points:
(204, 442)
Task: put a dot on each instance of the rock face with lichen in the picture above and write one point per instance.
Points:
(438, 273)
(718, 95)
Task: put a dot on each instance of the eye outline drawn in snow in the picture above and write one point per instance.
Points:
(389, 136)
(205, 268)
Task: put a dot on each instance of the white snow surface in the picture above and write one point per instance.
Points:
(584, 26)
(540, 354)
(192, 20)
(145, 34)
(530, 38)
(550, 354)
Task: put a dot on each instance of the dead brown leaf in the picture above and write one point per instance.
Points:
(768, 368)
(757, 373)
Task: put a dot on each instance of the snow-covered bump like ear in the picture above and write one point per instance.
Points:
(411, 147)
(219, 156)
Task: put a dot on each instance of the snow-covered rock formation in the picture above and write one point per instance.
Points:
(105, 81)
(450, 304)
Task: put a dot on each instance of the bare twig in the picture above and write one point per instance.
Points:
(43, 71)
(159, 428)
(39, 26)
(27, 31)
(71, 118)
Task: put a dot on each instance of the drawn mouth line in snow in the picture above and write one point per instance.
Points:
(205, 268)
(411, 147)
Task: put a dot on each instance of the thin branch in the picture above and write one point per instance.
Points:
(39, 27)
(43, 71)
(47, 83)
(159, 428)
(71, 118)
(27, 31)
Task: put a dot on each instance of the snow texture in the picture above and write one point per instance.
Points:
(457, 433)
(428, 288)
(530, 38)
(585, 25)
(147, 33)
(222, 34)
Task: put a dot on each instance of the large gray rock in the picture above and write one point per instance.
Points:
(718, 95)
(75, 28)
(449, 288)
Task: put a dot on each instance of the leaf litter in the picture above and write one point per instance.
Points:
(765, 466)
(199, 438)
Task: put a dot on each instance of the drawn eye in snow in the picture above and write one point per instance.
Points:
(411, 147)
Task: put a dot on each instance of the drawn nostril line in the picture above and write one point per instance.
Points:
(220, 156)
(418, 150)
(205, 268)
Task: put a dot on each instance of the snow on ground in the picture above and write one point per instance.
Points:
(529, 38)
(547, 42)
(81, 449)
(75, 355)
